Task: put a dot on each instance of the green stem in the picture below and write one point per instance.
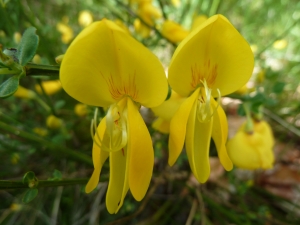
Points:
(214, 7)
(277, 38)
(38, 69)
(42, 103)
(47, 97)
(7, 184)
(249, 123)
(55, 148)
(6, 71)
(282, 122)
(162, 9)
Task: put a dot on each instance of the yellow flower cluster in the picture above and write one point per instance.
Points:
(106, 67)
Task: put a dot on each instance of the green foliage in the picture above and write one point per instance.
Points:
(29, 195)
(28, 46)
(9, 87)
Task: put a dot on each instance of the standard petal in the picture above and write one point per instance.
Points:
(178, 127)
(141, 72)
(99, 157)
(215, 51)
(219, 135)
(104, 63)
(118, 180)
(141, 154)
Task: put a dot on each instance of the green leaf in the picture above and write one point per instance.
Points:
(57, 175)
(30, 194)
(29, 176)
(28, 46)
(241, 110)
(12, 52)
(278, 87)
(9, 87)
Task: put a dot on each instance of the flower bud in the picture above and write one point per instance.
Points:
(80, 109)
(24, 93)
(53, 122)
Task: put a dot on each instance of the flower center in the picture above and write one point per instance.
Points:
(205, 109)
(115, 135)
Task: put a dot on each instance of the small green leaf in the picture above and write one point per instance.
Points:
(30, 194)
(9, 87)
(30, 179)
(28, 46)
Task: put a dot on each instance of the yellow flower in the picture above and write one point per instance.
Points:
(165, 112)
(176, 3)
(104, 66)
(122, 25)
(252, 150)
(17, 37)
(280, 44)
(53, 122)
(50, 87)
(148, 13)
(173, 31)
(197, 21)
(80, 109)
(65, 30)
(213, 60)
(40, 131)
(24, 93)
(85, 18)
(36, 59)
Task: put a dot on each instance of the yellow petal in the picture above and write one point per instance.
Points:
(178, 127)
(141, 154)
(118, 180)
(189, 139)
(161, 125)
(265, 130)
(197, 144)
(215, 51)
(99, 157)
(104, 63)
(219, 135)
(173, 31)
(168, 108)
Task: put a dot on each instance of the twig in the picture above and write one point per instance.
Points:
(140, 209)
(8, 184)
(144, 22)
(192, 213)
(58, 149)
(201, 204)
(282, 122)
